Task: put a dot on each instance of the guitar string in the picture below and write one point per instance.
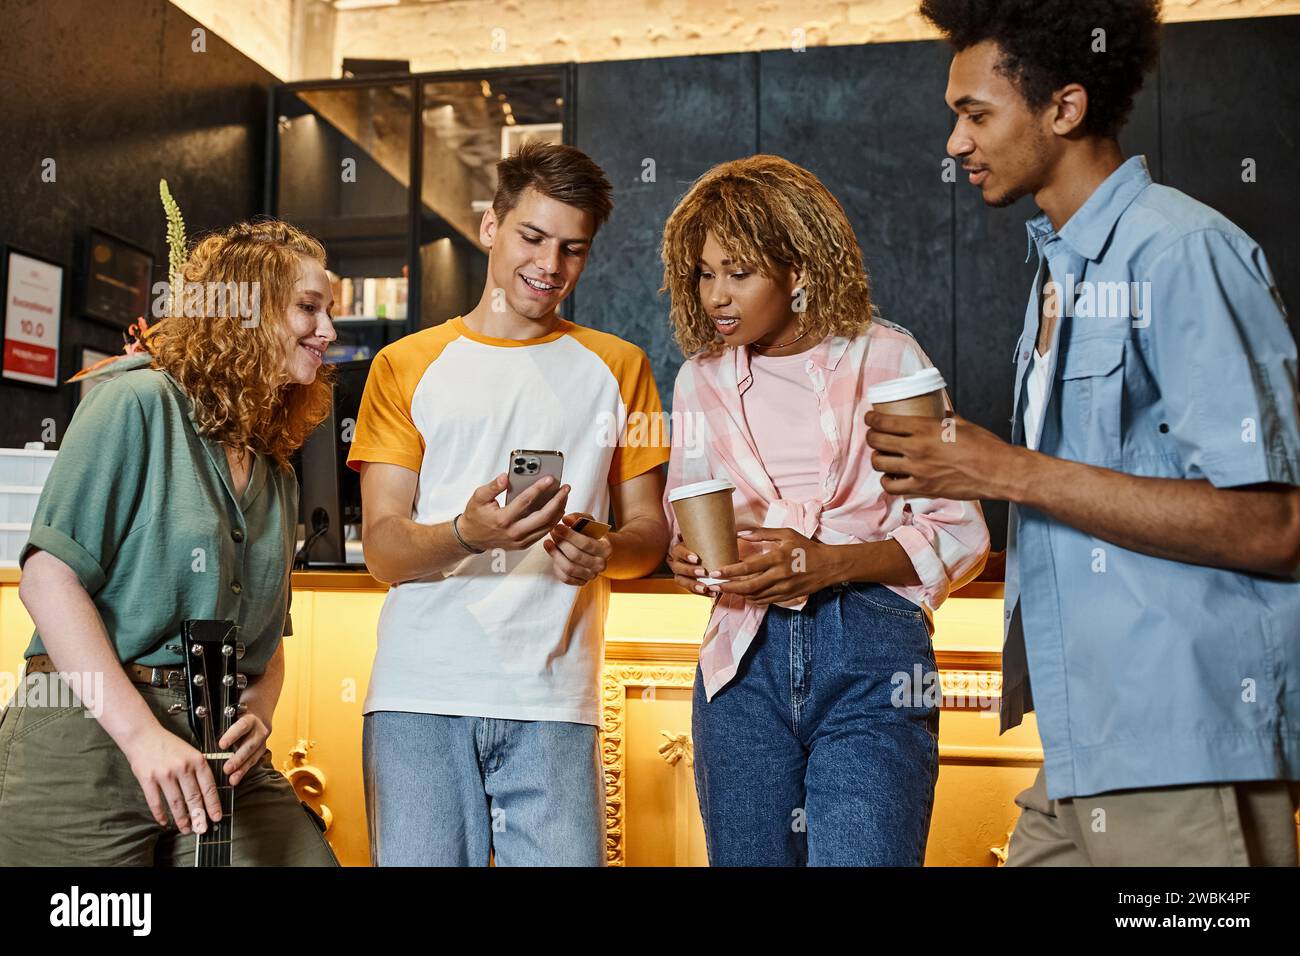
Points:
(210, 845)
(209, 852)
(205, 848)
(198, 837)
(207, 748)
(227, 825)
(227, 812)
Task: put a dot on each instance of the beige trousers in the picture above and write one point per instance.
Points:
(1250, 823)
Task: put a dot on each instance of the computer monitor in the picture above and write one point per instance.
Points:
(331, 491)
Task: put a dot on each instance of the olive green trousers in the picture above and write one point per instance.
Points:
(68, 796)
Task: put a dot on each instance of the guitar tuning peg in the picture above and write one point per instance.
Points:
(241, 681)
(174, 648)
(239, 651)
(228, 712)
(243, 708)
(176, 708)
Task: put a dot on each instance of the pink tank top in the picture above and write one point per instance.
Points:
(781, 411)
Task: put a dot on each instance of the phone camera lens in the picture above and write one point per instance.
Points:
(532, 467)
(518, 470)
(519, 461)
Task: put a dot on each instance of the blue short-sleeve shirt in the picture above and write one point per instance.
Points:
(1172, 359)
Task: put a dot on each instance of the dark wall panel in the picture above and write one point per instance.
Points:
(686, 114)
(117, 97)
(869, 122)
(1231, 91)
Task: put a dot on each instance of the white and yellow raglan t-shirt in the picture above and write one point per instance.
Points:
(499, 635)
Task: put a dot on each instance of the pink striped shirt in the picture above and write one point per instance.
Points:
(947, 541)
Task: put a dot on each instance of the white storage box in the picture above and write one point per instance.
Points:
(22, 475)
(12, 538)
(18, 503)
(25, 466)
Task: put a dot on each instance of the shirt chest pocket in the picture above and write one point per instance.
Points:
(1092, 400)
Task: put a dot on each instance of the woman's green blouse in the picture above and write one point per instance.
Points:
(142, 508)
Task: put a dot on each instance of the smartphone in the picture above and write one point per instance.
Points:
(591, 527)
(527, 466)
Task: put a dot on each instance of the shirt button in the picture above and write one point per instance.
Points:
(237, 534)
(1024, 356)
(1164, 428)
(236, 587)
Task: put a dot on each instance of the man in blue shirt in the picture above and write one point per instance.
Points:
(1153, 593)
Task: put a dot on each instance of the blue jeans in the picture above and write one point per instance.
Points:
(804, 758)
(447, 791)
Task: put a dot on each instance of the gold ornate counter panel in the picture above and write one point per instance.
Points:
(652, 644)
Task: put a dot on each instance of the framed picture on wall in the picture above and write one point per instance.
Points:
(117, 275)
(33, 317)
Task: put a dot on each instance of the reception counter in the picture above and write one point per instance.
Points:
(652, 642)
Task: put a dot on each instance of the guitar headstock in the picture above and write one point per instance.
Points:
(212, 680)
(213, 685)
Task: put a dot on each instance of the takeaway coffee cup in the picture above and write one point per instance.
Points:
(708, 522)
(918, 394)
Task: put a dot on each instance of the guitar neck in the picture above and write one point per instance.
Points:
(213, 847)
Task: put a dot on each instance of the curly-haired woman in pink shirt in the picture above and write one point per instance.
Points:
(813, 745)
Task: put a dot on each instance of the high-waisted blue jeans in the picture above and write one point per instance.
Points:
(817, 753)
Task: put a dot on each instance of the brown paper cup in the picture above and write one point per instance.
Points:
(708, 522)
(918, 394)
(929, 406)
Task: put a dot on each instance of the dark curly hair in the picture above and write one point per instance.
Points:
(1046, 44)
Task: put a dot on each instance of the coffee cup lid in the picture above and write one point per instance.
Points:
(909, 386)
(700, 488)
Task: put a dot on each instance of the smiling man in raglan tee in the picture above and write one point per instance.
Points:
(481, 716)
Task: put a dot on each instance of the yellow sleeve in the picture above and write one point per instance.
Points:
(645, 441)
(385, 431)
